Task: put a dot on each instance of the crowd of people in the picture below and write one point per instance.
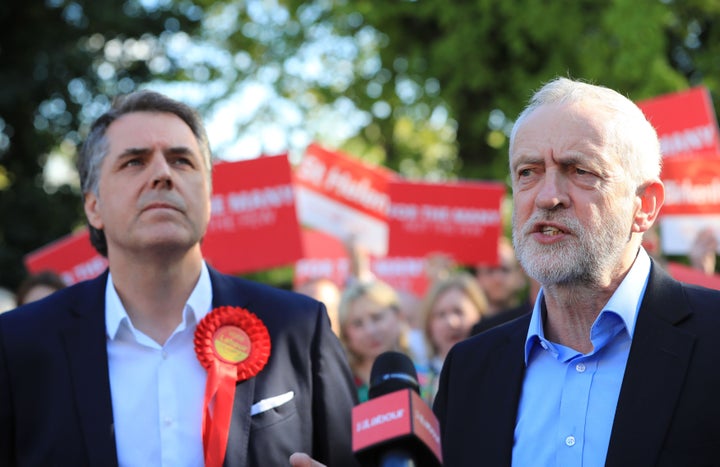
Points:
(108, 371)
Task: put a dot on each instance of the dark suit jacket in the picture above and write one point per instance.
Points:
(668, 412)
(55, 404)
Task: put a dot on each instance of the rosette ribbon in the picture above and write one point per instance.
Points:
(233, 345)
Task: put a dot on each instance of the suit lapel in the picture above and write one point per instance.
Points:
(85, 343)
(654, 375)
(499, 402)
(508, 365)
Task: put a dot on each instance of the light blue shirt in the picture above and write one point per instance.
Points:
(568, 400)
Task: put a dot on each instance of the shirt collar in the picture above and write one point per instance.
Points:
(624, 302)
(197, 306)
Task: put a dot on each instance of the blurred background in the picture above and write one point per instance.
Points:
(428, 88)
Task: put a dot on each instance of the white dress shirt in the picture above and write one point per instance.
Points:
(157, 391)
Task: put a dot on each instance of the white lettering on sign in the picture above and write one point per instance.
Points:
(88, 269)
(689, 140)
(443, 214)
(312, 170)
(378, 420)
(260, 198)
(687, 192)
(403, 212)
(358, 191)
(217, 205)
(390, 267)
(321, 267)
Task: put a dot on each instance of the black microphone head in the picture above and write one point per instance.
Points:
(392, 371)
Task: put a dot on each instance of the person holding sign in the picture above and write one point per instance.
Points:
(162, 360)
(617, 363)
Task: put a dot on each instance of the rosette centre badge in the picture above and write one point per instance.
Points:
(232, 344)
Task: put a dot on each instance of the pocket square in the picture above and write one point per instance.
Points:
(270, 403)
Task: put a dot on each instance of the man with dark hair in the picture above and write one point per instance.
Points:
(162, 360)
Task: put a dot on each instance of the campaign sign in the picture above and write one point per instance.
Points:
(325, 256)
(72, 256)
(460, 219)
(692, 201)
(685, 122)
(253, 225)
(344, 197)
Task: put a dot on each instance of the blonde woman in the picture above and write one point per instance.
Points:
(450, 309)
(370, 324)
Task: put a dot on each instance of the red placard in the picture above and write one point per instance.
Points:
(344, 197)
(685, 122)
(325, 256)
(692, 201)
(254, 225)
(72, 256)
(459, 219)
(692, 185)
(691, 275)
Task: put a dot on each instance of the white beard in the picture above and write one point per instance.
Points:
(585, 257)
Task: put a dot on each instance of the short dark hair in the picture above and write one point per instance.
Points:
(44, 278)
(96, 145)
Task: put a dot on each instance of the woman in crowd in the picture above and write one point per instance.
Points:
(370, 324)
(450, 308)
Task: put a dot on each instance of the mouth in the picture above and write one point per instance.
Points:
(153, 206)
(550, 230)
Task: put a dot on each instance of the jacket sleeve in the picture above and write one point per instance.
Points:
(334, 396)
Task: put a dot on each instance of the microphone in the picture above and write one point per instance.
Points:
(395, 427)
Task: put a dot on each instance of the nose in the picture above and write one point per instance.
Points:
(553, 192)
(161, 173)
(452, 320)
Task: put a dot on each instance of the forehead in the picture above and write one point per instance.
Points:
(561, 130)
(366, 304)
(452, 294)
(149, 129)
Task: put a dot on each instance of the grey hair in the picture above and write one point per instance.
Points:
(629, 133)
(96, 146)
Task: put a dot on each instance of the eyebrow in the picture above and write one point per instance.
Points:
(138, 151)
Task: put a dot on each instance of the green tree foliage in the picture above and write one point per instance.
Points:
(489, 55)
(61, 62)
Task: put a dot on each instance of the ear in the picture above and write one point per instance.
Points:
(92, 211)
(651, 197)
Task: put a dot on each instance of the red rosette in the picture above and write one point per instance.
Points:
(233, 345)
(235, 336)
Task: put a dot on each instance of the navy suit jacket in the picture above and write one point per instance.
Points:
(55, 403)
(668, 412)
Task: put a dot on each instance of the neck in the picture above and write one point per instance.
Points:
(154, 293)
(363, 369)
(573, 308)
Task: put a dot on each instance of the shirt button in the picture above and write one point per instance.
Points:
(570, 441)
(580, 367)
(164, 355)
(167, 421)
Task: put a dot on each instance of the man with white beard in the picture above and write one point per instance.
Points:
(617, 364)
